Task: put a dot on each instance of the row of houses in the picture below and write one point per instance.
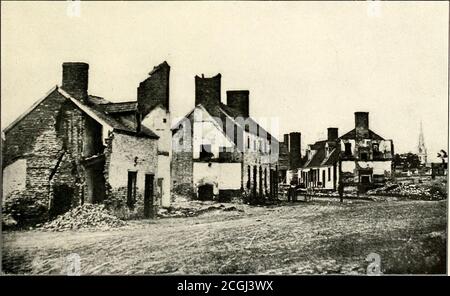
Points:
(72, 147)
(359, 158)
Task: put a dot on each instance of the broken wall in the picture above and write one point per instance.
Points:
(223, 176)
(126, 153)
(206, 131)
(182, 160)
(154, 90)
(158, 120)
(48, 139)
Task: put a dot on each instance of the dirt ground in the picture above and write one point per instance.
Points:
(322, 236)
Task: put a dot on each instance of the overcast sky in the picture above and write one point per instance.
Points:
(311, 65)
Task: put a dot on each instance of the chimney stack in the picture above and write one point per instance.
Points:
(239, 101)
(295, 149)
(286, 140)
(154, 90)
(332, 133)
(362, 124)
(207, 90)
(75, 78)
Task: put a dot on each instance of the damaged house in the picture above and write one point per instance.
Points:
(359, 158)
(321, 169)
(290, 157)
(219, 151)
(72, 148)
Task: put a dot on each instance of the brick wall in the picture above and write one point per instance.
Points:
(51, 141)
(41, 138)
(207, 90)
(154, 90)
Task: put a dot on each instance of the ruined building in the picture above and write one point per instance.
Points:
(290, 157)
(321, 168)
(72, 148)
(219, 150)
(154, 111)
(283, 160)
(358, 158)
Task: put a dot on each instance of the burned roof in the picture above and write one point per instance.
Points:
(351, 135)
(98, 100)
(121, 107)
(118, 123)
(235, 114)
(223, 111)
(317, 145)
(320, 158)
(332, 158)
(220, 112)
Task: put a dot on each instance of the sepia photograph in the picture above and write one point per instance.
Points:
(224, 138)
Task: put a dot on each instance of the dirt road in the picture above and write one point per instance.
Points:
(323, 236)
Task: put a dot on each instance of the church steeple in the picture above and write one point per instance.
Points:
(422, 150)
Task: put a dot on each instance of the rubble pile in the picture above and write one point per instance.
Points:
(193, 209)
(413, 191)
(8, 221)
(84, 216)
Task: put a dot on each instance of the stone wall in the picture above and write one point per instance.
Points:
(47, 138)
(182, 162)
(254, 160)
(49, 141)
(124, 154)
(158, 120)
(14, 177)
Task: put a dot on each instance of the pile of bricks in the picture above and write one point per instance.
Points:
(84, 217)
(408, 190)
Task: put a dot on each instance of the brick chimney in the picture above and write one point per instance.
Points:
(332, 133)
(207, 90)
(295, 149)
(286, 140)
(362, 125)
(75, 77)
(154, 90)
(239, 101)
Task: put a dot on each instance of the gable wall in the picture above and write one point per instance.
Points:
(48, 141)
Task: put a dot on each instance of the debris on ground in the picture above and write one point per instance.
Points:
(412, 191)
(8, 221)
(194, 208)
(84, 216)
(326, 266)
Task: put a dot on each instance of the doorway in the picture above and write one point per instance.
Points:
(254, 182)
(205, 192)
(149, 196)
(95, 183)
(62, 200)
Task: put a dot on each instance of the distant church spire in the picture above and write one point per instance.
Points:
(422, 150)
